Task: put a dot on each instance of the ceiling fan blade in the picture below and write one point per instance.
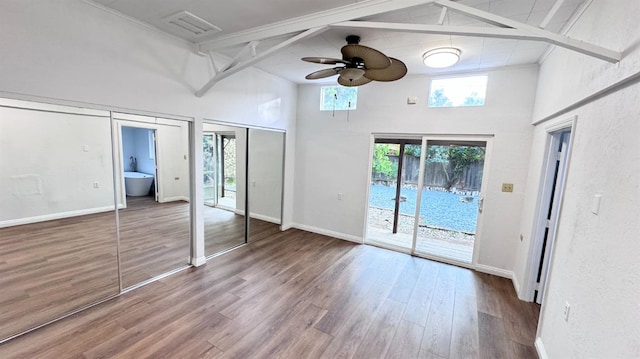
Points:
(323, 73)
(396, 71)
(325, 60)
(372, 58)
(350, 83)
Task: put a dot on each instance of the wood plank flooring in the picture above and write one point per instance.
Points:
(296, 294)
(51, 268)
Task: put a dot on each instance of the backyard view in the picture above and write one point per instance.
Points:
(449, 196)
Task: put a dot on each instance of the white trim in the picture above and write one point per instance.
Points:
(88, 106)
(52, 216)
(326, 232)
(287, 226)
(542, 353)
(197, 262)
(322, 18)
(536, 230)
(38, 106)
(535, 32)
(262, 217)
(516, 283)
(174, 199)
(494, 271)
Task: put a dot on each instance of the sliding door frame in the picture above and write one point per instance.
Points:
(425, 138)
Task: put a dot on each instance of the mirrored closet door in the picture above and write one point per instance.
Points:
(153, 187)
(266, 161)
(225, 159)
(58, 244)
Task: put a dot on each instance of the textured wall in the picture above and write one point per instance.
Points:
(332, 154)
(596, 260)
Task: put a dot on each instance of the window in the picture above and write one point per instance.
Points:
(338, 98)
(459, 91)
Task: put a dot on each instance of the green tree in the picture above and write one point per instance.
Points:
(454, 159)
(382, 165)
(438, 99)
(473, 100)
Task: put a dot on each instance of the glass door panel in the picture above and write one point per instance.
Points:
(209, 180)
(225, 149)
(450, 193)
(393, 193)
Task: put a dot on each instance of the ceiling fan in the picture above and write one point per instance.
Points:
(359, 65)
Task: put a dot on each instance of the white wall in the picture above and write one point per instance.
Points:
(266, 151)
(596, 260)
(332, 153)
(49, 163)
(72, 52)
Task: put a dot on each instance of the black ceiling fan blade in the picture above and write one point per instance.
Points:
(323, 73)
(396, 71)
(325, 60)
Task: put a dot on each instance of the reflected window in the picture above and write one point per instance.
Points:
(338, 98)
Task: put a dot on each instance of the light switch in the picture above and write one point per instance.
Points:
(85, 148)
(595, 204)
(412, 100)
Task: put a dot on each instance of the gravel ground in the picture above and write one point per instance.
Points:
(383, 219)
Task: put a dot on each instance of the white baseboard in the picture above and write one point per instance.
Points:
(173, 199)
(494, 271)
(265, 218)
(516, 284)
(52, 216)
(325, 232)
(286, 226)
(542, 353)
(197, 262)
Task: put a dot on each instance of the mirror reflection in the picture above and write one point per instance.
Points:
(58, 247)
(224, 186)
(266, 160)
(153, 195)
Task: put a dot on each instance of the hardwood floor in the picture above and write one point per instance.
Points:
(50, 268)
(300, 295)
(154, 238)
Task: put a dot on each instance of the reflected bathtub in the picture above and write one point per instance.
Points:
(137, 183)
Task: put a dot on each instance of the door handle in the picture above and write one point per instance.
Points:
(480, 204)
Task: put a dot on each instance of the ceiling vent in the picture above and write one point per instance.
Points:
(192, 24)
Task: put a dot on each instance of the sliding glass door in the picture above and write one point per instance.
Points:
(393, 193)
(425, 195)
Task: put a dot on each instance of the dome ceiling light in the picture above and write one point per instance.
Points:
(441, 57)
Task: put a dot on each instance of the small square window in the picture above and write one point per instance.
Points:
(338, 98)
(458, 91)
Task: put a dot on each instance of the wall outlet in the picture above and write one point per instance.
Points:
(412, 100)
(96, 184)
(340, 196)
(85, 148)
(565, 313)
(507, 187)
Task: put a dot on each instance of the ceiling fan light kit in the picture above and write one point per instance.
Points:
(441, 57)
(359, 65)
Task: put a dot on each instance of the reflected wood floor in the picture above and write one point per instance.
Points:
(300, 295)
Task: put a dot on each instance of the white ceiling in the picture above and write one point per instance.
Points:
(477, 53)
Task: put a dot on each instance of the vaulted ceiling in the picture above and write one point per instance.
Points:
(490, 33)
